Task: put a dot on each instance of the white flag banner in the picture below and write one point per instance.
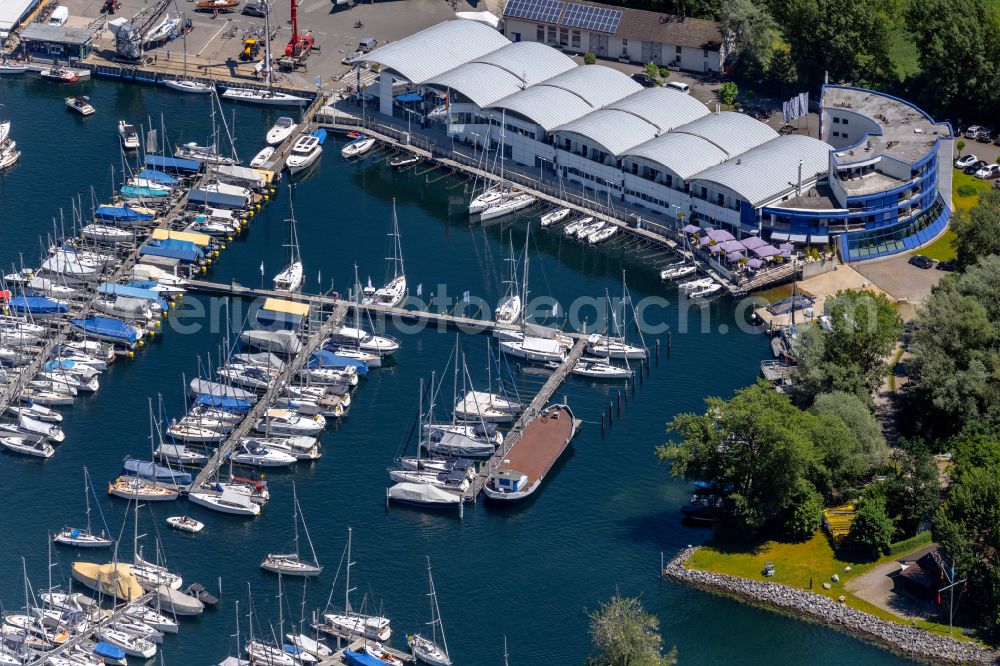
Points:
(804, 104)
(319, 276)
(262, 269)
(420, 289)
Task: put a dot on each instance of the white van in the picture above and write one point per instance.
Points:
(59, 16)
(679, 85)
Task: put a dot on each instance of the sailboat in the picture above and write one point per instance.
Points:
(84, 538)
(291, 278)
(509, 311)
(262, 652)
(348, 622)
(185, 84)
(291, 564)
(614, 345)
(268, 96)
(394, 292)
(427, 650)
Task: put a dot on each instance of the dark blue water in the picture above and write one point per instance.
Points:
(598, 525)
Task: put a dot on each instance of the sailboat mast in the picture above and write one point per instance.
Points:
(295, 522)
(435, 611)
(86, 497)
(397, 249)
(267, 46)
(347, 582)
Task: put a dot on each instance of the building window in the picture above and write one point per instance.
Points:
(540, 34)
(720, 199)
(575, 39)
(844, 121)
(836, 133)
(836, 121)
(563, 36)
(844, 134)
(678, 50)
(552, 34)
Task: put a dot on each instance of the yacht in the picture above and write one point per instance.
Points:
(360, 146)
(252, 454)
(261, 158)
(555, 217)
(705, 291)
(59, 74)
(305, 153)
(287, 422)
(269, 97)
(394, 292)
(507, 206)
(81, 105)
(129, 137)
(281, 130)
(291, 278)
(365, 341)
(29, 445)
(228, 501)
(190, 86)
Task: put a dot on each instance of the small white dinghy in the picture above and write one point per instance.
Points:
(185, 524)
(357, 148)
(261, 158)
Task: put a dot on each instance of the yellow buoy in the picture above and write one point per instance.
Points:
(202, 269)
(222, 246)
(266, 197)
(172, 306)
(215, 254)
(164, 314)
(256, 206)
(131, 354)
(142, 343)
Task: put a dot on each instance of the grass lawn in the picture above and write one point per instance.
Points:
(941, 249)
(960, 178)
(795, 564)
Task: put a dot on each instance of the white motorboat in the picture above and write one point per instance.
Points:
(574, 227)
(365, 341)
(602, 234)
(539, 350)
(228, 501)
(358, 148)
(369, 359)
(300, 447)
(677, 271)
(507, 206)
(59, 74)
(190, 86)
(305, 152)
(427, 650)
(281, 130)
(84, 538)
(695, 284)
(128, 135)
(585, 231)
(486, 407)
(9, 156)
(185, 524)
(292, 564)
(12, 67)
(81, 105)
(261, 158)
(29, 445)
(555, 217)
(704, 292)
(287, 422)
(253, 454)
(103, 233)
(268, 97)
(599, 368)
(133, 646)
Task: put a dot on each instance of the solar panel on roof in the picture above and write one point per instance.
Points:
(588, 17)
(546, 11)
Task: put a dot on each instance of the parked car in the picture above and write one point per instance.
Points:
(920, 261)
(989, 172)
(972, 131)
(965, 161)
(351, 57)
(947, 265)
(644, 80)
(255, 9)
(985, 135)
(975, 166)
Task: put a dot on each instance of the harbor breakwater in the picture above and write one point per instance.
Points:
(905, 639)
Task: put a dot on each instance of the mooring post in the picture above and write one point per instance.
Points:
(611, 410)
(602, 425)
(619, 404)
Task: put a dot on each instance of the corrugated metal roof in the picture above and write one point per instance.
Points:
(765, 172)
(637, 118)
(734, 133)
(504, 72)
(569, 95)
(12, 11)
(683, 154)
(428, 53)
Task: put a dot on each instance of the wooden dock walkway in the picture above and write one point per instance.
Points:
(537, 404)
(265, 402)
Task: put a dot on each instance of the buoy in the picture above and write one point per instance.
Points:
(229, 238)
(164, 314)
(179, 297)
(215, 254)
(256, 206)
(267, 197)
(131, 354)
(251, 213)
(222, 246)
(172, 306)
(142, 343)
(202, 269)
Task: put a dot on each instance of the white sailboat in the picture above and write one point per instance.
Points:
(508, 312)
(185, 84)
(263, 652)
(268, 96)
(84, 538)
(614, 344)
(352, 623)
(291, 564)
(290, 279)
(428, 650)
(394, 292)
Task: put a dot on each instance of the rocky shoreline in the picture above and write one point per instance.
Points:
(901, 638)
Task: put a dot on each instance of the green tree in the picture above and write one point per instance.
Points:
(850, 39)
(912, 492)
(589, 58)
(842, 467)
(851, 357)
(652, 69)
(781, 72)
(977, 230)
(960, 146)
(624, 634)
(872, 528)
(869, 451)
(728, 93)
(975, 449)
(965, 526)
(748, 30)
(805, 517)
(754, 450)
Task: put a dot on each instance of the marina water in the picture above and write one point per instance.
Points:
(532, 572)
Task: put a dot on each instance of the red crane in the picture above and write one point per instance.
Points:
(298, 46)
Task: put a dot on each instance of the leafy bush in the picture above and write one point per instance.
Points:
(652, 69)
(805, 517)
(589, 59)
(966, 190)
(907, 545)
(664, 73)
(872, 528)
(728, 92)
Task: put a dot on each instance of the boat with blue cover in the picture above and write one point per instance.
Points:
(173, 165)
(160, 177)
(150, 471)
(133, 292)
(108, 329)
(109, 654)
(323, 358)
(226, 403)
(361, 659)
(124, 214)
(37, 306)
(185, 255)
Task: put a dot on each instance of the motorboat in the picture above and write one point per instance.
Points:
(281, 130)
(81, 105)
(404, 161)
(691, 285)
(357, 148)
(28, 445)
(185, 524)
(555, 217)
(128, 135)
(325, 376)
(369, 359)
(704, 292)
(217, 5)
(261, 158)
(602, 234)
(574, 227)
(227, 501)
(253, 454)
(298, 446)
(132, 488)
(507, 206)
(190, 86)
(486, 407)
(599, 368)
(305, 152)
(59, 75)
(103, 233)
(287, 422)
(539, 350)
(255, 96)
(365, 341)
(12, 67)
(677, 271)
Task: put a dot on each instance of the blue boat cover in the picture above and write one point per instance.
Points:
(109, 651)
(37, 305)
(133, 191)
(223, 402)
(107, 327)
(57, 364)
(132, 292)
(409, 98)
(158, 177)
(121, 214)
(361, 659)
(179, 245)
(323, 358)
(153, 248)
(150, 471)
(141, 284)
(172, 164)
(321, 135)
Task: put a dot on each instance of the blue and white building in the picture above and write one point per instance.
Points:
(877, 182)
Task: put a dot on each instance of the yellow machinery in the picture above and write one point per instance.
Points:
(251, 49)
